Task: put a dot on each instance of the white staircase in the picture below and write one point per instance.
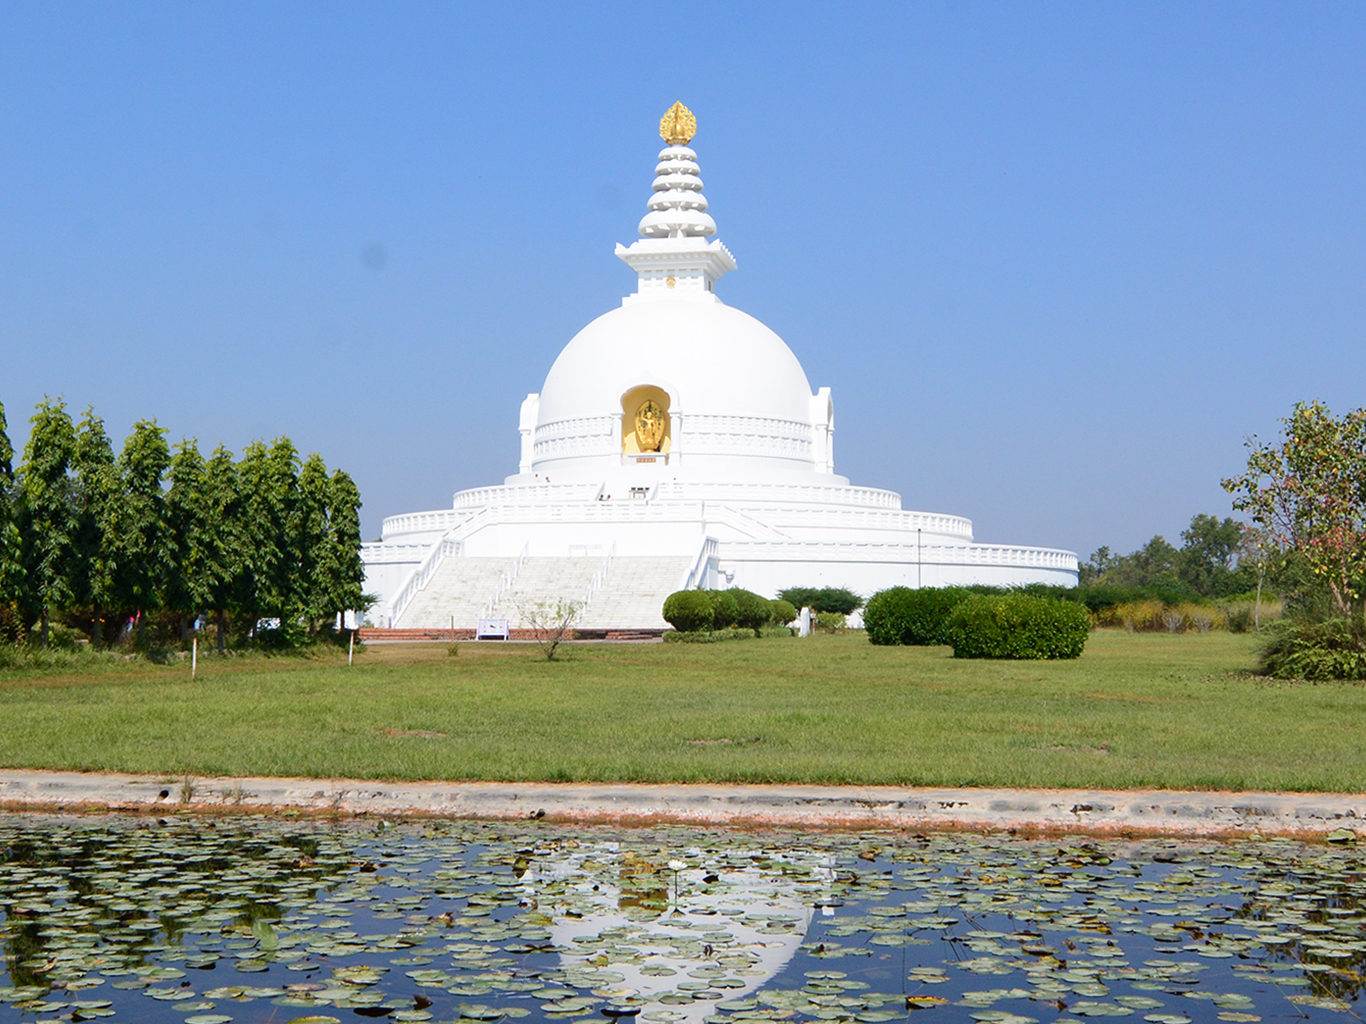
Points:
(629, 595)
(545, 580)
(459, 587)
(633, 592)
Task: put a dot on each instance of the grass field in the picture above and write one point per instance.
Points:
(1134, 710)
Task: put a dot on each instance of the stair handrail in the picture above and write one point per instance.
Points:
(419, 578)
(506, 580)
(599, 577)
(706, 551)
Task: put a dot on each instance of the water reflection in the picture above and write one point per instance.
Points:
(206, 922)
(686, 929)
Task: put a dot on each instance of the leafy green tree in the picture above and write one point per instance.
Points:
(309, 543)
(141, 537)
(269, 484)
(222, 540)
(341, 573)
(190, 584)
(48, 512)
(11, 566)
(1309, 494)
(98, 496)
(1208, 559)
(840, 600)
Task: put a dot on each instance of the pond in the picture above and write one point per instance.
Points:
(213, 921)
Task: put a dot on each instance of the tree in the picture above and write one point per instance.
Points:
(48, 511)
(551, 623)
(1309, 494)
(98, 497)
(141, 540)
(269, 486)
(341, 573)
(825, 599)
(189, 586)
(1209, 555)
(309, 542)
(222, 540)
(11, 567)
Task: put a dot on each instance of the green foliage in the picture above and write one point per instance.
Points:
(916, 617)
(725, 610)
(688, 611)
(823, 599)
(831, 622)
(97, 491)
(783, 612)
(1332, 649)
(1216, 559)
(752, 611)
(710, 636)
(11, 565)
(48, 512)
(156, 538)
(1308, 495)
(1017, 626)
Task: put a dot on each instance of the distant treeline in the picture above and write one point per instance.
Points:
(137, 545)
(1217, 558)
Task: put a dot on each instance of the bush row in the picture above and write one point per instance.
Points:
(993, 625)
(701, 611)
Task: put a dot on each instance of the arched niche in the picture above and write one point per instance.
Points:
(645, 422)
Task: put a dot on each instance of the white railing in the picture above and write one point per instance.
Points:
(505, 581)
(743, 493)
(380, 553)
(417, 581)
(697, 571)
(422, 522)
(526, 494)
(598, 579)
(928, 554)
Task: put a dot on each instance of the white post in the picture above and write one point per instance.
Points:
(804, 623)
(351, 649)
(194, 655)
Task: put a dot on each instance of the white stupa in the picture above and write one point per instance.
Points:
(676, 443)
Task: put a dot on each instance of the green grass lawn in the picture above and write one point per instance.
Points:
(1134, 710)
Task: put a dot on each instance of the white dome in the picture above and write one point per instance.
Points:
(710, 358)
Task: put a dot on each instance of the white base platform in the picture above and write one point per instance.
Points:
(502, 549)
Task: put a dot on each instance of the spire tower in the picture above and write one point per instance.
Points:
(672, 257)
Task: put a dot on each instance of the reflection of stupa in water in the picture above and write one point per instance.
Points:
(676, 443)
(674, 943)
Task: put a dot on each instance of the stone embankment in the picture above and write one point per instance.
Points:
(1112, 812)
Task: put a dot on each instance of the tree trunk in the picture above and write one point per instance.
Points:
(222, 628)
(42, 632)
(95, 630)
(142, 623)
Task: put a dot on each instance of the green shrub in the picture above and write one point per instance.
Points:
(902, 615)
(831, 622)
(688, 610)
(824, 599)
(710, 636)
(782, 612)
(1018, 626)
(1333, 649)
(725, 610)
(753, 611)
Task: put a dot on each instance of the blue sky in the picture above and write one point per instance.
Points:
(1055, 260)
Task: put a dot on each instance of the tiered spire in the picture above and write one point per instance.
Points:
(678, 207)
(674, 258)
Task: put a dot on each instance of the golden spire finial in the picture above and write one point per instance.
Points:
(677, 126)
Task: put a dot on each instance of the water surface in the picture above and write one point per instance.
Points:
(212, 921)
